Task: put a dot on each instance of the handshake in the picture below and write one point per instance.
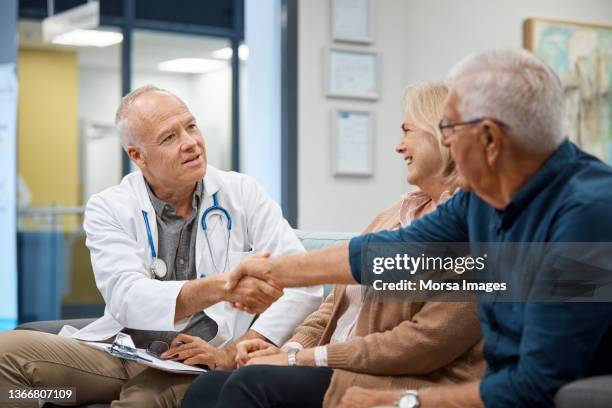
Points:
(251, 286)
(259, 280)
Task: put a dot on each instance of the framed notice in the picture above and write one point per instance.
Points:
(352, 74)
(351, 21)
(353, 142)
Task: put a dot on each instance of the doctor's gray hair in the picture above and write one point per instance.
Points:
(516, 88)
(122, 123)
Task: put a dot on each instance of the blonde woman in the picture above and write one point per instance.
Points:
(373, 344)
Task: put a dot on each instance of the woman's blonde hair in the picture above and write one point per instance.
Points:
(424, 104)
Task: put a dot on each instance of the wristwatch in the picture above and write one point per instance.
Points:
(291, 356)
(409, 399)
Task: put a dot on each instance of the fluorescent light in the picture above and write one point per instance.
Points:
(89, 38)
(226, 53)
(243, 52)
(223, 53)
(191, 65)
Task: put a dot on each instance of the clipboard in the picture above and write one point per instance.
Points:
(142, 357)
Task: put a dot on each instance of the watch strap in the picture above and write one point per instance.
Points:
(291, 359)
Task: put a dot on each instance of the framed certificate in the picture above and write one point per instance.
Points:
(351, 73)
(351, 21)
(353, 148)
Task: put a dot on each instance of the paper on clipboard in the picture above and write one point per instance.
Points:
(163, 365)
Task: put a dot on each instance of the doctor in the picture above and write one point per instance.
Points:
(161, 243)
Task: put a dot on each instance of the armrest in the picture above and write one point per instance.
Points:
(592, 392)
(54, 326)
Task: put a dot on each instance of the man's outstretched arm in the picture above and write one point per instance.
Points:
(329, 265)
(339, 265)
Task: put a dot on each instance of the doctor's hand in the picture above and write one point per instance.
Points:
(257, 266)
(193, 350)
(253, 295)
(248, 349)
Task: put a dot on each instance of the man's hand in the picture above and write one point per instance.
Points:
(328, 265)
(253, 295)
(248, 349)
(250, 294)
(257, 265)
(358, 397)
(193, 350)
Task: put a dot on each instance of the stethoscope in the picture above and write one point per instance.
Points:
(158, 266)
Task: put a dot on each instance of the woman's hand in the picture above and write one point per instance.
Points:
(193, 350)
(304, 357)
(279, 359)
(248, 349)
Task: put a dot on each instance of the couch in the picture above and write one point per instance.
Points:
(595, 392)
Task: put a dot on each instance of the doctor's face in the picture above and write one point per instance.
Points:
(169, 148)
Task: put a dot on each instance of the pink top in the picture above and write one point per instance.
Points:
(417, 204)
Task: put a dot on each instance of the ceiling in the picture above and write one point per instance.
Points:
(149, 48)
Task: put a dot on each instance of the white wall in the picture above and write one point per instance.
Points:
(418, 41)
(439, 33)
(347, 204)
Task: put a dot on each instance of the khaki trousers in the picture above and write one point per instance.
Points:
(35, 359)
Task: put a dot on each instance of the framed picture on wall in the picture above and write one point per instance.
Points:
(580, 55)
(353, 145)
(351, 73)
(352, 21)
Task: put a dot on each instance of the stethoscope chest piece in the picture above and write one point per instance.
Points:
(159, 268)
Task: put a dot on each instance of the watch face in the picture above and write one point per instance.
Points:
(408, 401)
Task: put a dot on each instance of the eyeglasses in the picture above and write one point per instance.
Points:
(157, 348)
(447, 129)
(122, 347)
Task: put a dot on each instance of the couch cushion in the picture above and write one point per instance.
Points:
(317, 240)
(593, 392)
(54, 326)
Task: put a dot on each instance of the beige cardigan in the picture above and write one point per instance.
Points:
(396, 344)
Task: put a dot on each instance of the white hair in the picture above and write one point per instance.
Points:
(122, 122)
(516, 88)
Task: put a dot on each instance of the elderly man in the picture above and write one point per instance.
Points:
(160, 245)
(522, 181)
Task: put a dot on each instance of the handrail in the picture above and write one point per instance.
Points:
(53, 210)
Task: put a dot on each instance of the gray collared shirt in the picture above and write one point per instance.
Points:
(176, 243)
(176, 247)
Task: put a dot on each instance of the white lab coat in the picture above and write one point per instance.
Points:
(121, 259)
